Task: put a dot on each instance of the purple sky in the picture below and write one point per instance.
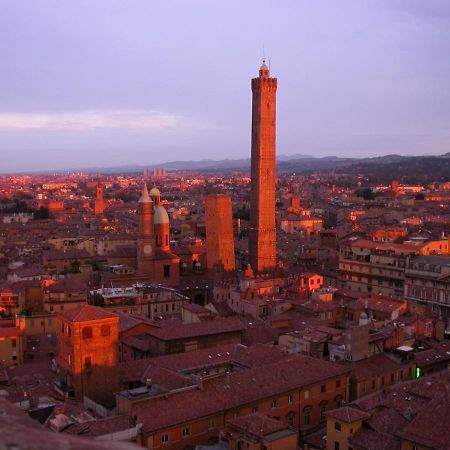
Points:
(112, 82)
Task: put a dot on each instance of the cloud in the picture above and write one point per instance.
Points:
(89, 120)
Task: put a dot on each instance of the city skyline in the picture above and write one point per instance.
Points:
(102, 85)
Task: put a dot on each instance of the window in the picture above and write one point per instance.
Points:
(338, 401)
(392, 377)
(323, 388)
(186, 432)
(211, 424)
(338, 383)
(255, 410)
(13, 343)
(166, 271)
(274, 404)
(337, 426)
(374, 383)
(69, 357)
(337, 446)
(306, 395)
(307, 415)
(62, 327)
(363, 389)
(87, 332)
(105, 330)
(290, 398)
(164, 439)
(290, 418)
(323, 410)
(88, 363)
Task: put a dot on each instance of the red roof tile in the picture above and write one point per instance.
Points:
(86, 313)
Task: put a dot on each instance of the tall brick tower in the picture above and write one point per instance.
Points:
(262, 233)
(99, 205)
(146, 239)
(219, 232)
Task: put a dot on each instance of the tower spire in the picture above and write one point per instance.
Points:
(145, 198)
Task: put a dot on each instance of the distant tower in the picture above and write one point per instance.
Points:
(99, 205)
(219, 232)
(262, 233)
(394, 186)
(146, 239)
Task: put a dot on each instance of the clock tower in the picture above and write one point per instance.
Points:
(146, 239)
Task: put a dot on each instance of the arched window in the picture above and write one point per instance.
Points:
(338, 401)
(290, 419)
(307, 410)
(105, 330)
(323, 409)
(87, 332)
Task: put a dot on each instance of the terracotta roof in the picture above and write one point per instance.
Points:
(68, 284)
(10, 331)
(86, 313)
(20, 431)
(240, 388)
(102, 427)
(258, 424)
(347, 414)
(374, 366)
(366, 439)
(173, 329)
(431, 425)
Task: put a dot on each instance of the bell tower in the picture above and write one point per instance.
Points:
(146, 238)
(262, 233)
(99, 205)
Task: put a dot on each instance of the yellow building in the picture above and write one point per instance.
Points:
(342, 423)
(12, 344)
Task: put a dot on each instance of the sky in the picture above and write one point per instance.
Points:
(103, 83)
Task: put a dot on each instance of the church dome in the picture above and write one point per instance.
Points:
(154, 192)
(161, 215)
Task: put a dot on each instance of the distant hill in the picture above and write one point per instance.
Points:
(381, 167)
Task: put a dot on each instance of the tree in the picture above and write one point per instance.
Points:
(41, 213)
(74, 267)
(98, 300)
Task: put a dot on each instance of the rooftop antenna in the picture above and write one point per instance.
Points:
(264, 53)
